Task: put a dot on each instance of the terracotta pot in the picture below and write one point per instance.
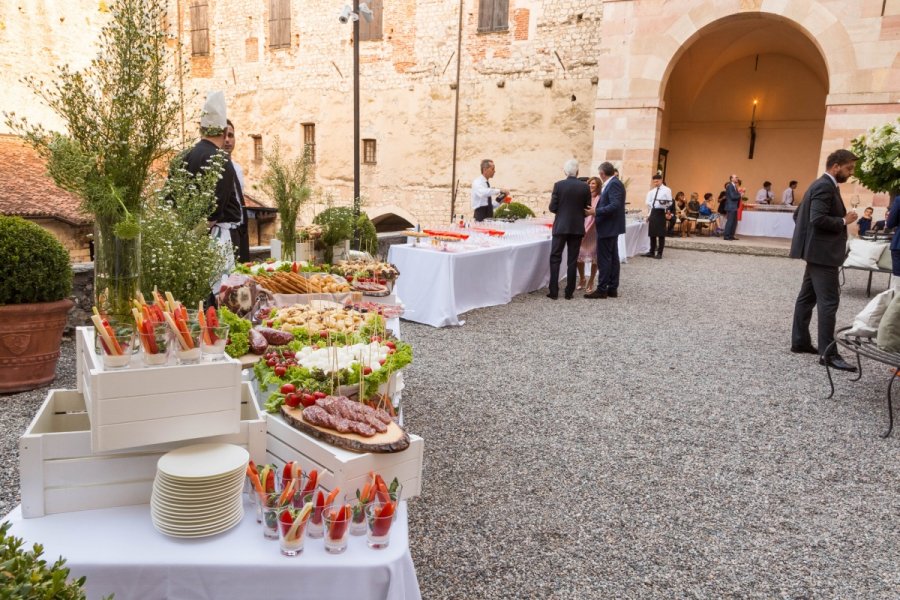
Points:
(30, 335)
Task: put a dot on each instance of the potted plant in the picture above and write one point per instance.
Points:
(337, 229)
(287, 184)
(34, 302)
(27, 576)
(513, 211)
(878, 167)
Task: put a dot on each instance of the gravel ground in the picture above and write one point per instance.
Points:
(630, 448)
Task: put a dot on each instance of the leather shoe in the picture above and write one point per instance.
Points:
(612, 293)
(596, 295)
(658, 256)
(568, 296)
(836, 362)
(807, 349)
(553, 296)
(648, 254)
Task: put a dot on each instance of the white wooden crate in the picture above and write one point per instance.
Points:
(342, 468)
(139, 406)
(59, 473)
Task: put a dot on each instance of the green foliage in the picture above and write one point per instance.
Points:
(34, 266)
(118, 114)
(287, 183)
(513, 211)
(337, 226)
(878, 167)
(368, 237)
(26, 576)
(238, 333)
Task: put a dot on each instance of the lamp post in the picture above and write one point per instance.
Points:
(356, 201)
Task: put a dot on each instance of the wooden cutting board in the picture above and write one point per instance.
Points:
(395, 439)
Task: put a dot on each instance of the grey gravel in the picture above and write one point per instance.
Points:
(665, 444)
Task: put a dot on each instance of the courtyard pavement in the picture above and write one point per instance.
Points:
(665, 444)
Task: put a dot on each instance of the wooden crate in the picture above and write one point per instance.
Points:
(59, 472)
(139, 406)
(342, 468)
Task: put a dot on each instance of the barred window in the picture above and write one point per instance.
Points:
(309, 140)
(369, 152)
(257, 148)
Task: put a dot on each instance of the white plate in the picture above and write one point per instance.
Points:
(195, 498)
(204, 461)
(200, 480)
(178, 509)
(200, 485)
(202, 519)
(200, 533)
(222, 475)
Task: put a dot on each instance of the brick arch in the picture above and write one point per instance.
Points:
(377, 214)
(821, 27)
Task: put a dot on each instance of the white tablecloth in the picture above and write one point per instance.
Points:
(766, 224)
(437, 287)
(120, 552)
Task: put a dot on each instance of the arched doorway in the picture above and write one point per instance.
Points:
(745, 83)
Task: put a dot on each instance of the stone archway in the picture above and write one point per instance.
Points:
(390, 218)
(645, 41)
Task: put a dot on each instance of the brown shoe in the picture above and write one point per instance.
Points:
(596, 295)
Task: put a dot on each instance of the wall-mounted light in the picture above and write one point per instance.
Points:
(752, 130)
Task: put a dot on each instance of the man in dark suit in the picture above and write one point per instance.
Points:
(732, 200)
(820, 238)
(610, 222)
(568, 202)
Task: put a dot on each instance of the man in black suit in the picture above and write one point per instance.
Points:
(569, 200)
(610, 222)
(732, 200)
(820, 238)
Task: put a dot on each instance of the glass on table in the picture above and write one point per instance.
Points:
(291, 528)
(187, 343)
(155, 343)
(270, 508)
(337, 527)
(115, 344)
(213, 340)
(379, 518)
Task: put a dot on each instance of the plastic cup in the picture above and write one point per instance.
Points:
(213, 341)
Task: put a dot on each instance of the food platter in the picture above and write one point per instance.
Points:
(395, 439)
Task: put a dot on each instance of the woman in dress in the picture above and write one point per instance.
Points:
(673, 217)
(690, 214)
(588, 250)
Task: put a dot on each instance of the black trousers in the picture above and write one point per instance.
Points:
(661, 244)
(730, 224)
(821, 289)
(240, 238)
(484, 212)
(608, 265)
(572, 244)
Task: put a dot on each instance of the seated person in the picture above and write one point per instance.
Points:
(690, 214)
(865, 221)
(673, 216)
(705, 210)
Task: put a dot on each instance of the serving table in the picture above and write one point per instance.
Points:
(120, 552)
(768, 221)
(437, 286)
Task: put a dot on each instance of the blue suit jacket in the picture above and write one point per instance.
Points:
(732, 196)
(893, 220)
(610, 218)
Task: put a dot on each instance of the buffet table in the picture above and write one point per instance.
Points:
(438, 286)
(120, 552)
(767, 223)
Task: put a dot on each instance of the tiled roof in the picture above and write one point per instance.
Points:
(252, 203)
(27, 191)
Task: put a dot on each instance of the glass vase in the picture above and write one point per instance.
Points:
(117, 270)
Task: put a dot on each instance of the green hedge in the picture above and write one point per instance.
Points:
(34, 266)
(513, 210)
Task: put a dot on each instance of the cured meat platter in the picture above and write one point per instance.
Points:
(395, 439)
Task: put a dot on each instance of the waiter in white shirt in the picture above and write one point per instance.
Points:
(659, 203)
(787, 196)
(242, 246)
(764, 195)
(484, 197)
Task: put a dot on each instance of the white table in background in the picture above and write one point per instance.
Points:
(120, 552)
(762, 223)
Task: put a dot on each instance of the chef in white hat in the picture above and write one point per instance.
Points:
(226, 218)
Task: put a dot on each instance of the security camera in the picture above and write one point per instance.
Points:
(366, 12)
(345, 14)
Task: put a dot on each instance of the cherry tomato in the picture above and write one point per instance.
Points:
(318, 394)
(292, 400)
(271, 362)
(280, 371)
(391, 345)
(288, 388)
(367, 370)
(307, 399)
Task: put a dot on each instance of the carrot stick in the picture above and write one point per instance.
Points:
(287, 494)
(177, 331)
(104, 335)
(201, 318)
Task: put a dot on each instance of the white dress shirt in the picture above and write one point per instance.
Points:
(787, 197)
(660, 197)
(483, 194)
(763, 196)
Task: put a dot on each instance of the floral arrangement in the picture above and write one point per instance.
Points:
(878, 167)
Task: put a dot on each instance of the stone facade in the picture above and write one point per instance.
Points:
(566, 78)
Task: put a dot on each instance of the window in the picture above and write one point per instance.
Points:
(200, 28)
(369, 152)
(309, 140)
(371, 31)
(279, 23)
(493, 15)
(257, 148)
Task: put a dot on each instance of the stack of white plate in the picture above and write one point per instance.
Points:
(197, 490)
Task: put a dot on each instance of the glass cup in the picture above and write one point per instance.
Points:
(213, 341)
(379, 518)
(270, 511)
(185, 355)
(357, 515)
(299, 498)
(290, 537)
(155, 344)
(120, 355)
(316, 526)
(337, 527)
